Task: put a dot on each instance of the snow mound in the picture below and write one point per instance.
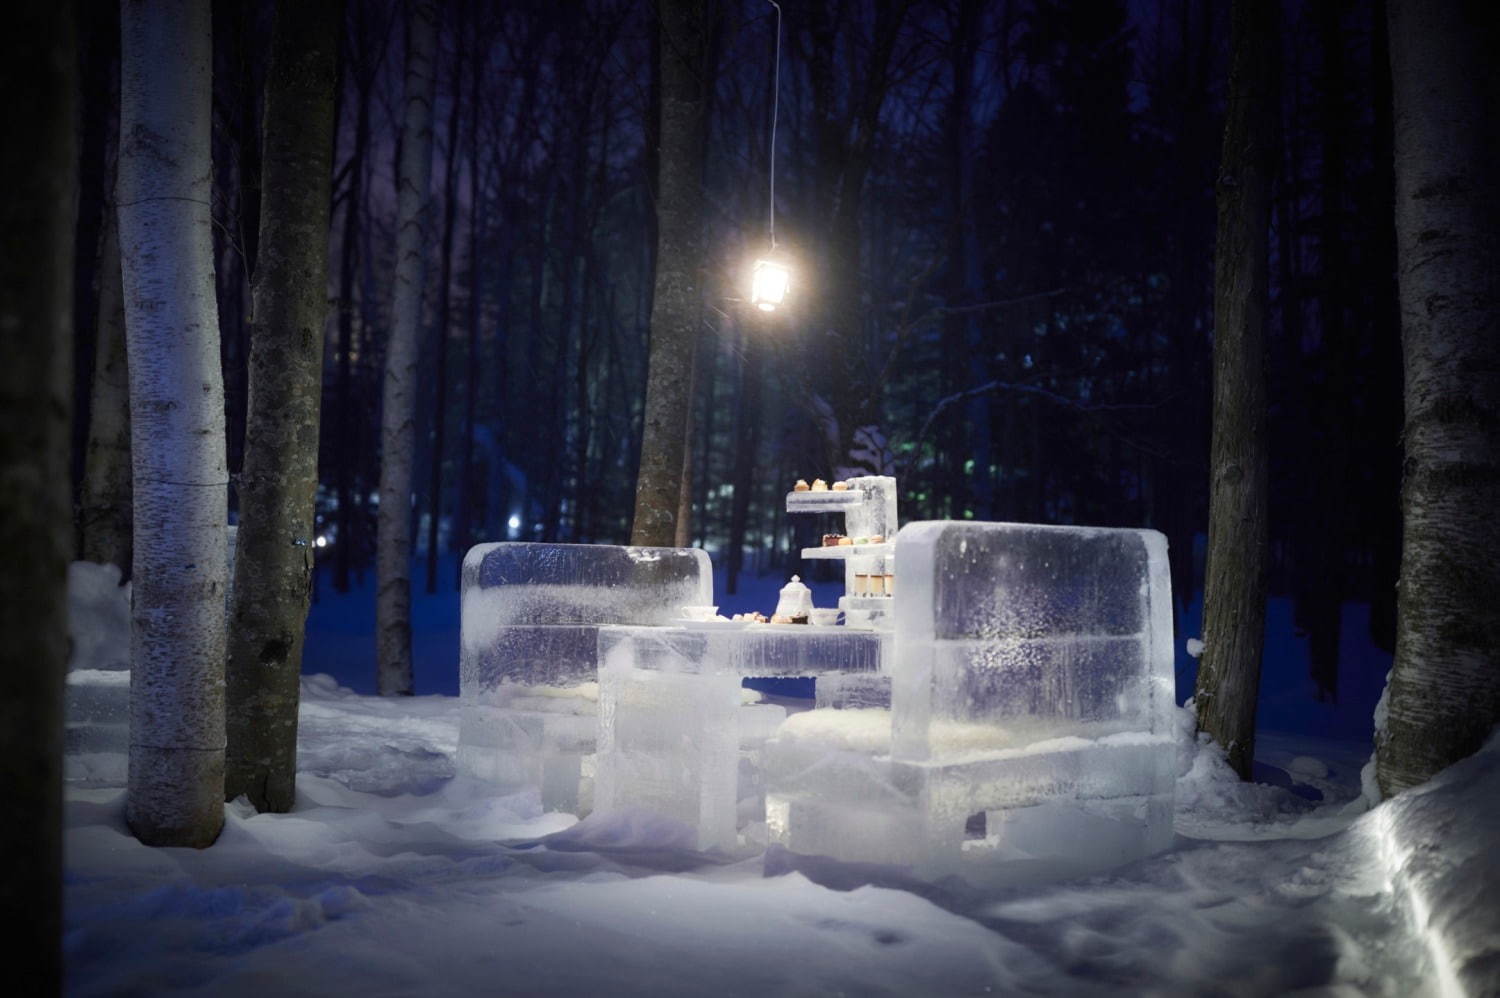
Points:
(625, 829)
(1436, 849)
(98, 617)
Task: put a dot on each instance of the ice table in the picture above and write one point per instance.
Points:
(528, 679)
(1030, 729)
(672, 722)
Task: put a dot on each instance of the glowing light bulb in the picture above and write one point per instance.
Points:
(769, 284)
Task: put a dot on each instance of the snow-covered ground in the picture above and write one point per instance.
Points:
(394, 877)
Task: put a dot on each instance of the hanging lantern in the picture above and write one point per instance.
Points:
(769, 283)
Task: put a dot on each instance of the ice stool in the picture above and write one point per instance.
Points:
(528, 658)
(1030, 717)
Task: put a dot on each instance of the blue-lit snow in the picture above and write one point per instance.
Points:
(393, 876)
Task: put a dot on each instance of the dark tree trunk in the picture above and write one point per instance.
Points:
(1386, 334)
(399, 401)
(440, 334)
(1444, 694)
(683, 535)
(463, 530)
(274, 551)
(1322, 579)
(347, 460)
(38, 164)
(1234, 602)
(675, 311)
(746, 453)
(104, 508)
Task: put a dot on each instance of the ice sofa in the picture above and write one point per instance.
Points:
(1029, 730)
(528, 659)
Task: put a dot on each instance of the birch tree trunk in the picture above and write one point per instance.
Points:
(398, 412)
(676, 305)
(1444, 695)
(1234, 601)
(274, 546)
(180, 484)
(105, 512)
(38, 166)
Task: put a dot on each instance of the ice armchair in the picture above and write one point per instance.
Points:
(1030, 718)
(528, 658)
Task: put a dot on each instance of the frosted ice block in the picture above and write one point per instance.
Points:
(528, 670)
(1033, 684)
(510, 583)
(1029, 632)
(1029, 729)
(670, 732)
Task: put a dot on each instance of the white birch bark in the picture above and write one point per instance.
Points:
(176, 781)
(1444, 692)
(398, 411)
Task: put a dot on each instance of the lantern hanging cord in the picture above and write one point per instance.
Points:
(775, 107)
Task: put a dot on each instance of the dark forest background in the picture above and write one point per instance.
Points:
(1002, 217)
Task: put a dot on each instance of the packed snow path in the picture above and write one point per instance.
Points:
(395, 877)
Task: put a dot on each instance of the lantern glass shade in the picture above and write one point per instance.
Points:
(768, 284)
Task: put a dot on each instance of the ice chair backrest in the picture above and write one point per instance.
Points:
(548, 584)
(531, 612)
(1061, 630)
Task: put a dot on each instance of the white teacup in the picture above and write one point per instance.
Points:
(824, 616)
(697, 613)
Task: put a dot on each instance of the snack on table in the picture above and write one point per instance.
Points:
(819, 485)
(841, 486)
(831, 540)
(861, 584)
(801, 486)
(845, 541)
(777, 618)
(861, 540)
(890, 584)
(876, 539)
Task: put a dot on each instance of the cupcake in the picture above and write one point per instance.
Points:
(845, 541)
(841, 486)
(819, 485)
(801, 486)
(831, 540)
(876, 539)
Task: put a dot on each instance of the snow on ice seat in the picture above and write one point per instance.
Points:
(528, 673)
(1029, 733)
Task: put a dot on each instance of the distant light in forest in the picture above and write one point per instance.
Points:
(769, 283)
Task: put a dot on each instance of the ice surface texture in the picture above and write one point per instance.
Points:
(1030, 724)
(1055, 630)
(528, 660)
